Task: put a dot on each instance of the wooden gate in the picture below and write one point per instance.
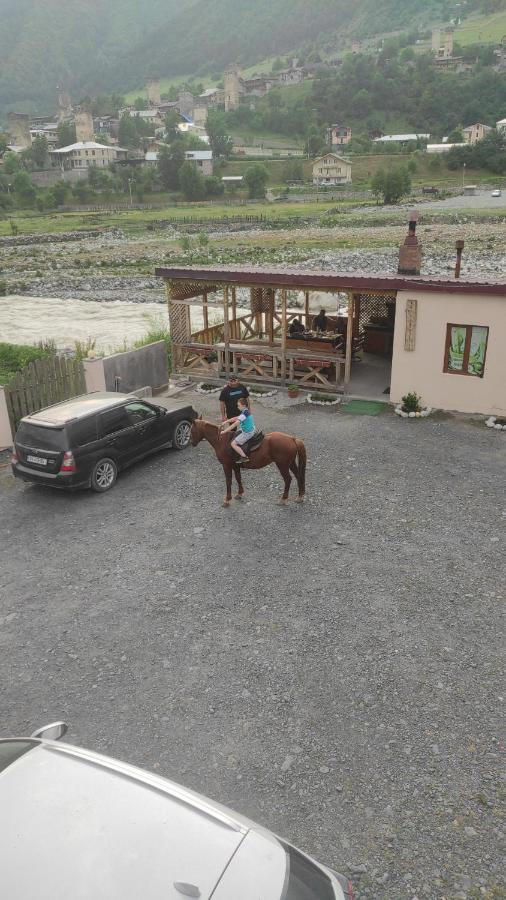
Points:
(42, 383)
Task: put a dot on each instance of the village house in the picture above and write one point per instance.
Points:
(203, 159)
(474, 133)
(338, 135)
(501, 126)
(331, 169)
(84, 154)
(294, 75)
(49, 132)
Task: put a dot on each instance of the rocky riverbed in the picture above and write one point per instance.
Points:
(111, 266)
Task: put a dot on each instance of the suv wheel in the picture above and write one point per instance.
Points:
(181, 436)
(104, 475)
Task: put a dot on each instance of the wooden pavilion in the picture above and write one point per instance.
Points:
(244, 317)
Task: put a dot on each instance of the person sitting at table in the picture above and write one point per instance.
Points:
(296, 327)
(321, 323)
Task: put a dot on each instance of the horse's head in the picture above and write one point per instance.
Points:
(196, 433)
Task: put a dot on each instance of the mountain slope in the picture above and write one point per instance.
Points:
(92, 46)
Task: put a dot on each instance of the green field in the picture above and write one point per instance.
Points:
(482, 29)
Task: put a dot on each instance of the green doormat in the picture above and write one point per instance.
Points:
(363, 407)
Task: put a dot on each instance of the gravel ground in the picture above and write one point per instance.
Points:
(331, 670)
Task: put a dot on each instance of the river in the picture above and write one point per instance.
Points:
(27, 320)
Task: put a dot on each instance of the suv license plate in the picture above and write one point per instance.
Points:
(39, 460)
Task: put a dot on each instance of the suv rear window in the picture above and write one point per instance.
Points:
(10, 751)
(84, 431)
(40, 437)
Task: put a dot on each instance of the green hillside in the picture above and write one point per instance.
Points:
(104, 45)
(101, 46)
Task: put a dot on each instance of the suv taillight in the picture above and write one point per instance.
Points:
(68, 464)
(14, 457)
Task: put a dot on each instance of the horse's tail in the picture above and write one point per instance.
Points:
(301, 465)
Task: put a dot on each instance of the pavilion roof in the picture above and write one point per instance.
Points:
(331, 281)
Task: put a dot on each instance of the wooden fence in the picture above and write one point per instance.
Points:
(42, 383)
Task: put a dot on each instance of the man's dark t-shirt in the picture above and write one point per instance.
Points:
(230, 396)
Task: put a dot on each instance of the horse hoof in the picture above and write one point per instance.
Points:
(300, 499)
(282, 502)
(238, 497)
(226, 503)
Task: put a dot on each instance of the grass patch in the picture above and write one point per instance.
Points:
(157, 331)
(482, 29)
(364, 407)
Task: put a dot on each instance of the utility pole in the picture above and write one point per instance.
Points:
(463, 176)
(130, 190)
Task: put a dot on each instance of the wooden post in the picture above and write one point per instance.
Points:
(349, 339)
(283, 335)
(226, 333)
(205, 312)
(234, 303)
(306, 308)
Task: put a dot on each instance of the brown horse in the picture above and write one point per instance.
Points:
(287, 452)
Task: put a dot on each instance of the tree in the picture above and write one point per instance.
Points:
(221, 142)
(255, 179)
(66, 134)
(59, 193)
(24, 188)
(12, 163)
(314, 142)
(191, 181)
(170, 160)
(38, 152)
(172, 120)
(127, 131)
(391, 185)
(214, 186)
(456, 136)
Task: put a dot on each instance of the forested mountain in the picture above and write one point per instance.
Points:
(92, 46)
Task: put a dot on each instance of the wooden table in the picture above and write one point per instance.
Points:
(309, 367)
(261, 362)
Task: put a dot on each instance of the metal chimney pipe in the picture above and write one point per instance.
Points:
(459, 246)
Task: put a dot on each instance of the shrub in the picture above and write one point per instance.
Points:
(411, 402)
(14, 357)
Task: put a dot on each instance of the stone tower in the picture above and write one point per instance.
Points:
(18, 127)
(186, 103)
(153, 89)
(232, 81)
(436, 40)
(84, 124)
(448, 43)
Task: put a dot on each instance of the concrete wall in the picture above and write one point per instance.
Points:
(137, 368)
(5, 425)
(94, 375)
(421, 369)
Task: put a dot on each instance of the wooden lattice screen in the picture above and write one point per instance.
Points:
(262, 300)
(371, 306)
(179, 319)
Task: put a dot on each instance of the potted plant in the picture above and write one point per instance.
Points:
(411, 407)
(293, 391)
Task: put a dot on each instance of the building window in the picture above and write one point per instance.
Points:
(465, 349)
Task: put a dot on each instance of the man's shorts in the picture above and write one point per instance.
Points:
(243, 437)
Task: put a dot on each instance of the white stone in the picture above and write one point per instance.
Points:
(412, 415)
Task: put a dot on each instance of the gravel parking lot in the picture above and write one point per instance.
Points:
(331, 670)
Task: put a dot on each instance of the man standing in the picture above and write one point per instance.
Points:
(229, 396)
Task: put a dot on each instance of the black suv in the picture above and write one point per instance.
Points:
(85, 441)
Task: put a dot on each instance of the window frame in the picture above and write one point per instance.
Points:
(467, 349)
